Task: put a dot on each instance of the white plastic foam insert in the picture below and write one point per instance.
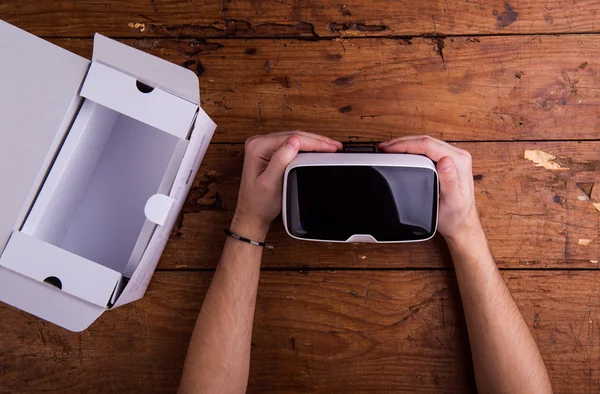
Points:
(92, 203)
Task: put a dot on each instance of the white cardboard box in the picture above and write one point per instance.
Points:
(96, 160)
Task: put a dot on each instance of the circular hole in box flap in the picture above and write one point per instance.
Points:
(54, 281)
(144, 88)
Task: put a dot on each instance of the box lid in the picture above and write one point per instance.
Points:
(39, 84)
(148, 69)
(45, 301)
(155, 107)
(72, 274)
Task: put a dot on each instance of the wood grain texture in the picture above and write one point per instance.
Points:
(288, 18)
(320, 331)
(486, 88)
(533, 217)
(359, 72)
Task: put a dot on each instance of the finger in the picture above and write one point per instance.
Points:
(304, 133)
(307, 134)
(432, 148)
(307, 144)
(404, 138)
(416, 137)
(282, 157)
(279, 160)
(449, 182)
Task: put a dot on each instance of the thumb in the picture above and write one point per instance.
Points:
(281, 158)
(448, 178)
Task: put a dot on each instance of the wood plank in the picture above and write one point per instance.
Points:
(314, 19)
(323, 332)
(533, 217)
(487, 88)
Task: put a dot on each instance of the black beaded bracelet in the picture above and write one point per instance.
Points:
(243, 239)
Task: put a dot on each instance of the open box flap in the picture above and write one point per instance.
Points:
(151, 70)
(69, 272)
(38, 97)
(45, 301)
(202, 133)
(152, 106)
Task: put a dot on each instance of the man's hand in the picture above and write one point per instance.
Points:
(218, 357)
(267, 156)
(458, 217)
(505, 356)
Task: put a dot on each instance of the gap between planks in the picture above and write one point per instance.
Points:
(323, 269)
(327, 38)
(450, 141)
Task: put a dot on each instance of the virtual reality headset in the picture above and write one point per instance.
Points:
(361, 197)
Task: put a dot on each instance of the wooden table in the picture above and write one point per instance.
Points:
(496, 78)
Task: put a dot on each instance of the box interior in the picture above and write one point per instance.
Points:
(92, 203)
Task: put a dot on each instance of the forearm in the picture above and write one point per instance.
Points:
(218, 357)
(219, 352)
(505, 356)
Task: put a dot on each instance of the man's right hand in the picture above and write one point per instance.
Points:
(505, 356)
(458, 218)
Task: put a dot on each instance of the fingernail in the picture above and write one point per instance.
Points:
(446, 166)
(292, 142)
